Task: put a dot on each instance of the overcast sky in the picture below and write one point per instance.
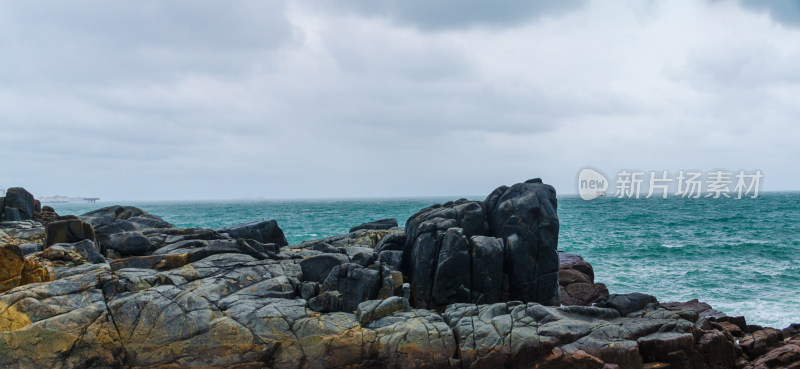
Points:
(151, 100)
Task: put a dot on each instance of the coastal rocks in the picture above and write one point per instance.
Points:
(316, 268)
(264, 231)
(74, 253)
(703, 309)
(576, 281)
(68, 231)
(138, 217)
(369, 311)
(447, 261)
(354, 282)
(366, 238)
(627, 303)
(524, 216)
(125, 243)
(531, 335)
(16, 270)
(18, 204)
(426, 231)
(63, 324)
(376, 225)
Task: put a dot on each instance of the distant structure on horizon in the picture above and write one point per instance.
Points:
(58, 199)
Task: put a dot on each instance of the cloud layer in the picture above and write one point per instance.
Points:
(203, 100)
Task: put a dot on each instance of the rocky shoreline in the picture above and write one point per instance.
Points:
(466, 284)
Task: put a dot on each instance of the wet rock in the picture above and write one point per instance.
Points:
(524, 216)
(376, 225)
(487, 269)
(68, 231)
(703, 309)
(452, 280)
(355, 283)
(116, 226)
(576, 281)
(30, 248)
(18, 204)
(326, 302)
(425, 232)
(366, 238)
(88, 249)
(264, 231)
(787, 356)
(368, 311)
(392, 241)
(126, 243)
(627, 303)
(316, 268)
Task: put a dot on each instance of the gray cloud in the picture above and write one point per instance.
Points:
(455, 14)
(152, 100)
(783, 11)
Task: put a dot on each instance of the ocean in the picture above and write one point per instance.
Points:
(740, 256)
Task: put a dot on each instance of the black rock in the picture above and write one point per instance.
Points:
(126, 243)
(11, 214)
(68, 231)
(21, 200)
(326, 302)
(452, 280)
(392, 241)
(263, 231)
(88, 248)
(316, 268)
(355, 282)
(487, 269)
(425, 232)
(524, 216)
(391, 258)
(378, 224)
(116, 226)
(627, 303)
(30, 248)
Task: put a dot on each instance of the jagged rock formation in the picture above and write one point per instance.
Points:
(143, 293)
(463, 251)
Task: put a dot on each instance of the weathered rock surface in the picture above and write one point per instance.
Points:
(234, 297)
(264, 232)
(68, 231)
(16, 270)
(524, 216)
(443, 256)
(18, 204)
(376, 225)
(576, 281)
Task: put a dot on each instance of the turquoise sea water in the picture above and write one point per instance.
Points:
(741, 256)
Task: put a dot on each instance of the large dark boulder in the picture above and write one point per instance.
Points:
(627, 303)
(354, 282)
(378, 224)
(68, 231)
(138, 217)
(21, 200)
(317, 267)
(266, 231)
(425, 233)
(452, 281)
(524, 216)
(487, 269)
(463, 251)
(86, 248)
(125, 243)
